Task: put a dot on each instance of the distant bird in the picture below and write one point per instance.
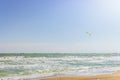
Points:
(88, 33)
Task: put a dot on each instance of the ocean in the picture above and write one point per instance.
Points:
(49, 64)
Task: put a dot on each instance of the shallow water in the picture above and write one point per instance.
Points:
(58, 63)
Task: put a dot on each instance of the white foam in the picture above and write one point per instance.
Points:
(43, 63)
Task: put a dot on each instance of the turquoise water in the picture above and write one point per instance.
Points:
(14, 64)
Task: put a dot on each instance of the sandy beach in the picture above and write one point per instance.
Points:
(113, 76)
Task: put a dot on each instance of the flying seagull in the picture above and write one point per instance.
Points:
(88, 33)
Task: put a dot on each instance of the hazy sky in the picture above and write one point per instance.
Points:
(59, 26)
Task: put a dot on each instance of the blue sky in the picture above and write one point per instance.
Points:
(59, 26)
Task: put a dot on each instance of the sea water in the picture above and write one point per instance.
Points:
(43, 64)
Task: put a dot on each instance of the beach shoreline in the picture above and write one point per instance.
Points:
(108, 76)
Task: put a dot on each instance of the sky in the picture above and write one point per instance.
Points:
(59, 26)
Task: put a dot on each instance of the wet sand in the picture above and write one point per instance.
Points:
(112, 76)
